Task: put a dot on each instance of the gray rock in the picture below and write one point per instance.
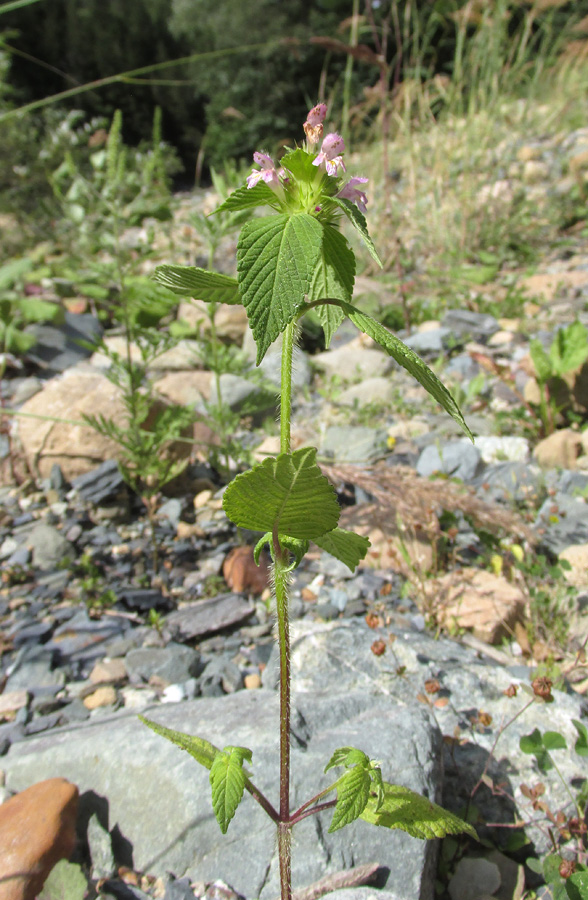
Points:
(171, 511)
(353, 443)
(100, 484)
(243, 395)
(463, 366)
(353, 363)
(361, 893)
(48, 546)
(427, 343)
(20, 557)
(143, 599)
(510, 482)
(179, 889)
(58, 346)
(467, 323)
(33, 668)
(458, 459)
(100, 846)
(562, 521)
(207, 616)
(174, 663)
(378, 390)
(474, 876)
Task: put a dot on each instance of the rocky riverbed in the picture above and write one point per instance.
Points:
(418, 657)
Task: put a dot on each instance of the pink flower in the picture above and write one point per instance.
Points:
(313, 127)
(332, 148)
(267, 173)
(350, 192)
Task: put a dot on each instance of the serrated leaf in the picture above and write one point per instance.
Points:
(409, 360)
(190, 281)
(35, 310)
(227, 780)
(249, 198)
(288, 493)
(344, 545)
(334, 277)
(569, 349)
(66, 881)
(276, 258)
(353, 791)
(553, 740)
(348, 756)
(358, 221)
(418, 816)
(299, 164)
(203, 751)
(581, 745)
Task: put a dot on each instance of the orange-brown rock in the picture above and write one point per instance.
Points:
(37, 829)
(484, 603)
(241, 573)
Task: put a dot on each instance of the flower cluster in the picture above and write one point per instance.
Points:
(329, 160)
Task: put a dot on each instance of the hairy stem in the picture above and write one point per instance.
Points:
(286, 389)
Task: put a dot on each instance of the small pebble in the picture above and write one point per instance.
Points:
(103, 696)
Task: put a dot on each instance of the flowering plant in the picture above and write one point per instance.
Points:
(290, 262)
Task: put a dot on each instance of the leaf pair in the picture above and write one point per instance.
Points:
(289, 496)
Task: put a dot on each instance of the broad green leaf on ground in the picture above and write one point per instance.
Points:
(581, 745)
(287, 493)
(353, 791)
(190, 281)
(346, 546)
(248, 198)
(532, 744)
(227, 780)
(409, 811)
(577, 886)
(553, 740)
(358, 221)
(407, 358)
(35, 310)
(276, 258)
(299, 163)
(334, 277)
(66, 881)
(202, 751)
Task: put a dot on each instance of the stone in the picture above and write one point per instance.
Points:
(240, 393)
(577, 556)
(561, 522)
(108, 670)
(458, 459)
(242, 574)
(58, 347)
(100, 846)
(559, 450)
(427, 343)
(77, 448)
(480, 601)
(546, 286)
(172, 664)
(352, 362)
(379, 391)
(353, 443)
(105, 482)
(194, 620)
(473, 877)
(102, 696)
(494, 449)
(252, 681)
(186, 388)
(143, 599)
(37, 829)
(510, 482)
(185, 355)
(535, 171)
(49, 547)
(230, 320)
(467, 323)
(11, 702)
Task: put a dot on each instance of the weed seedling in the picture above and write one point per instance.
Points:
(289, 263)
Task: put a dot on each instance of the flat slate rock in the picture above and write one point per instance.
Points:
(207, 616)
(159, 797)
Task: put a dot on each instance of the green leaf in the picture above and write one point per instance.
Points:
(227, 780)
(348, 756)
(353, 791)
(577, 886)
(202, 751)
(248, 198)
(190, 281)
(20, 342)
(569, 349)
(476, 274)
(409, 811)
(297, 547)
(581, 745)
(34, 310)
(553, 740)
(541, 361)
(276, 258)
(299, 164)
(66, 881)
(334, 277)
(288, 494)
(407, 358)
(358, 221)
(551, 866)
(531, 743)
(346, 546)
(13, 271)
